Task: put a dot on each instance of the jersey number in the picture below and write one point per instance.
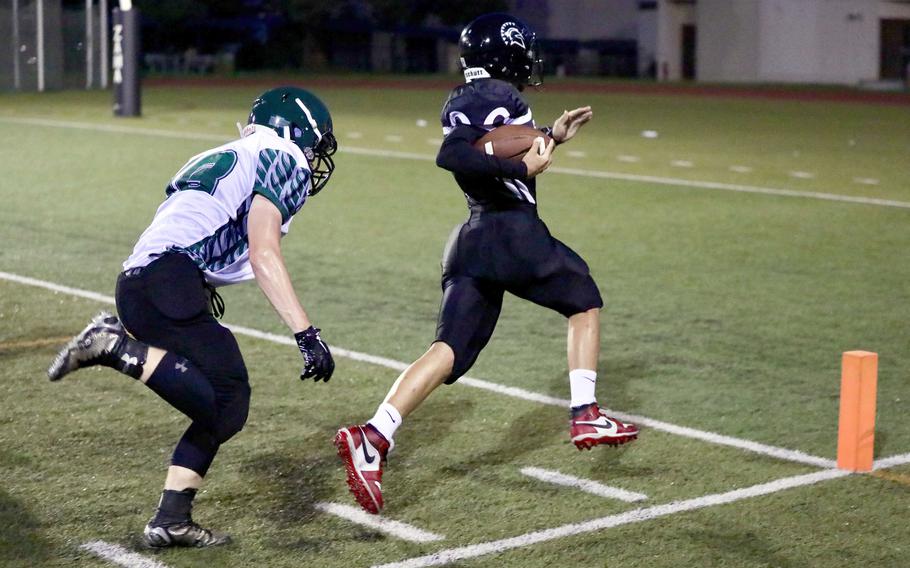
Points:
(204, 172)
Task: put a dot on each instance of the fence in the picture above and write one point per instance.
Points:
(46, 44)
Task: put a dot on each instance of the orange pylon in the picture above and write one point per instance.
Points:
(856, 430)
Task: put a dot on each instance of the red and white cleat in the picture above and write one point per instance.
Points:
(363, 451)
(590, 426)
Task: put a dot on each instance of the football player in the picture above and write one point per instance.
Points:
(221, 223)
(502, 247)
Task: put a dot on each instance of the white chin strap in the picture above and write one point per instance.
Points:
(471, 73)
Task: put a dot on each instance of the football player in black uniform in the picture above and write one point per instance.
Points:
(503, 246)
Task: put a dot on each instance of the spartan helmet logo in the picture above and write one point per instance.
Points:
(511, 35)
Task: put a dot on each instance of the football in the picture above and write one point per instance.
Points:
(510, 141)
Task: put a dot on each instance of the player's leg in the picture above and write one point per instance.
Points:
(197, 368)
(467, 317)
(583, 348)
(421, 378)
(212, 351)
(566, 286)
(105, 340)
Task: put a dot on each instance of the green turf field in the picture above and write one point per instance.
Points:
(727, 312)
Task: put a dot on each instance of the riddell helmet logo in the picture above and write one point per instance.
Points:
(511, 35)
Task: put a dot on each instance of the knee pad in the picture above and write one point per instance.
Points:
(464, 360)
(233, 417)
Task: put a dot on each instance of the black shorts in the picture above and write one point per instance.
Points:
(505, 251)
(166, 305)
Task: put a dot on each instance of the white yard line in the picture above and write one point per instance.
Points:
(629, 517)
(397, 529)
(900, 459)
(634, 516)
(117, 129)
(586, 485)
(116, 554)
(705, 436)
(732, 187)
(676, 182)
(515, 392)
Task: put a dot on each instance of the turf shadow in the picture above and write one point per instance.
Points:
(21, 543)
(432, 423)
(742, 548)
(522, 436)
(291, 483)
(287, 485)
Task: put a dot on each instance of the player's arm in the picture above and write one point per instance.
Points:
(264, 228)
(458, 155)
(566, 126)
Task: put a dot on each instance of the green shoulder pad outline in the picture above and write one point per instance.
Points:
(204, 172)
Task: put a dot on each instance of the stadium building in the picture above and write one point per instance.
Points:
(760, 41)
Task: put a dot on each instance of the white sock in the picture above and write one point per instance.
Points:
(582, 383)
(387, 419)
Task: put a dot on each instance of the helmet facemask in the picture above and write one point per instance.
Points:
(321, 163)
(535, 75)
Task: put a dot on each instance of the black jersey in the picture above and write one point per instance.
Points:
(472, 110)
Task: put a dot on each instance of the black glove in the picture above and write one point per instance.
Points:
(318, 362)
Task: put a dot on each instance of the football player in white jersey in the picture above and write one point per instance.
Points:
(222, 222)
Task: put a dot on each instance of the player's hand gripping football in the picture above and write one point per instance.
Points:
(318, 363)
(539, 157)
(567, 125)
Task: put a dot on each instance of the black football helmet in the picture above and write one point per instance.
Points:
(301, 117)
(503, 47)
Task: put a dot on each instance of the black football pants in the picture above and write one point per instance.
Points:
(165, 305)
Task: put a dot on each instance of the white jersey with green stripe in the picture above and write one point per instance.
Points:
(208, 200)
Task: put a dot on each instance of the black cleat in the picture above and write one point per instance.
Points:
(186, 533)
(96, 344)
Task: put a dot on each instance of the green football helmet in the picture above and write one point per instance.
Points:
(299, 116)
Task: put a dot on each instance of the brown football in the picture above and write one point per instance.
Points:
(510, 141)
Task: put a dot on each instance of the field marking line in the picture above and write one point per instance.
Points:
(515, 392)
(116, 554)
(386, 525)
(598, 174)
(684, 431)
(610, 521)
(586, 485)
(900, 459)
(117, 129)
(735, 187)
(27, 343)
